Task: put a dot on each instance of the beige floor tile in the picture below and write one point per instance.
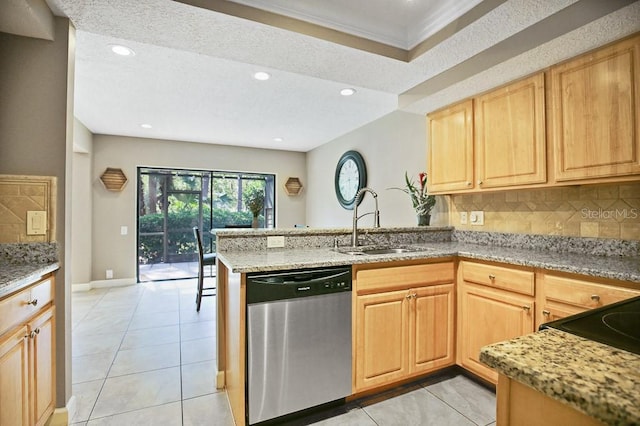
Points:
(198, 379)
(151, 337)
(198, 350)
(102, 325)
(90, 367)
(96, 343)
(197, 330)
(473, 400)
(159, 305)
(86, 395)
(137, 391)
(154, 319)
(207, 410)
(147, 358)
(165, 415)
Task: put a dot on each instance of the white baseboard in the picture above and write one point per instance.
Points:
(120, 282)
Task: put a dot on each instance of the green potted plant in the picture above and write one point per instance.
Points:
(422, 202)
(254, 200)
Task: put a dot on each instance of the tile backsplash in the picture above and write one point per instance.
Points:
(601, 211)
(19, 194)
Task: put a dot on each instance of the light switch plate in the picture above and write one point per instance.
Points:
(477, 218)
(276, 241)
(36, 222)
(463, 218)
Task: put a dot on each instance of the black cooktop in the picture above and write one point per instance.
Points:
(616, 325)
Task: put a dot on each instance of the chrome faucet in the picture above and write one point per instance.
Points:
(375, 213)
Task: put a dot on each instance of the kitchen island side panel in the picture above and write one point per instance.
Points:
(234, 294)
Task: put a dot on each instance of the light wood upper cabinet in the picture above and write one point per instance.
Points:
(450, 165)
(596, 112)
(509, 135)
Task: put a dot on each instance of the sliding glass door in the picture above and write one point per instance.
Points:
(172, 201)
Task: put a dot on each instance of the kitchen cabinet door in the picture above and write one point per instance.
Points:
(432, 328)
(450, 164)
(509, 134)
(488, 316)
(41, 352)
(14, 379)
(596, 113)
(382, 328)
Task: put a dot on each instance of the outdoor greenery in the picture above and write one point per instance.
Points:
(189, 204)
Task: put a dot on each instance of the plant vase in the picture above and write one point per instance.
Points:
(424, 219)
(254, 222)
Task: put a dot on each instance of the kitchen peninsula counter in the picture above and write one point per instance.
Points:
(612, 267)
(595, 379)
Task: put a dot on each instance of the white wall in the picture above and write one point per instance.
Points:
(390, 146)
(81, 204)
(111, 210)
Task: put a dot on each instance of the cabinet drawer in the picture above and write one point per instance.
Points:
(499, 277)
(583, 293)
(18, 308)
(402, 277)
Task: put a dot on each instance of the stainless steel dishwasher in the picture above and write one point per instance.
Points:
(298, 340)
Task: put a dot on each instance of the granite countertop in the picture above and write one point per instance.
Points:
(596, 379)
(614, 267)
(13, 277)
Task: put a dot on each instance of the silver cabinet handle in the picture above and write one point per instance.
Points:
(34, 333)
(468, 183)
(479, 182)
(546, 313)
(408, 296)
(595, 297)
(33, 302)
(526, 308)
(492, 277)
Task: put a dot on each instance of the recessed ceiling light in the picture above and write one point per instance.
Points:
(347, 92)
(262, 76)
(278, 139)
(118, 49)
(146, 126)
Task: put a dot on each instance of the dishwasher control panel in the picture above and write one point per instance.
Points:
(282, 285)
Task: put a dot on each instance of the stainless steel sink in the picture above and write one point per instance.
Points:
(369, 250)
(390, 250)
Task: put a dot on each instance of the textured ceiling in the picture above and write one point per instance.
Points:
(191, 75)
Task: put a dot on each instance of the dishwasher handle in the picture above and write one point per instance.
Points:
(266, 280)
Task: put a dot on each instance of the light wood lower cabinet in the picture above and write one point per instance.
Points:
(403, 333)
(561, 296)
(489, 314)
(27, 360)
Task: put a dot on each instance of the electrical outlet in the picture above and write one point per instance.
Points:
(463, 218)
(276, 241)
(124, 230)
(477, 218)
(109, 274)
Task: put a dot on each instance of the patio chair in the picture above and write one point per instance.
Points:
(203, 259)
